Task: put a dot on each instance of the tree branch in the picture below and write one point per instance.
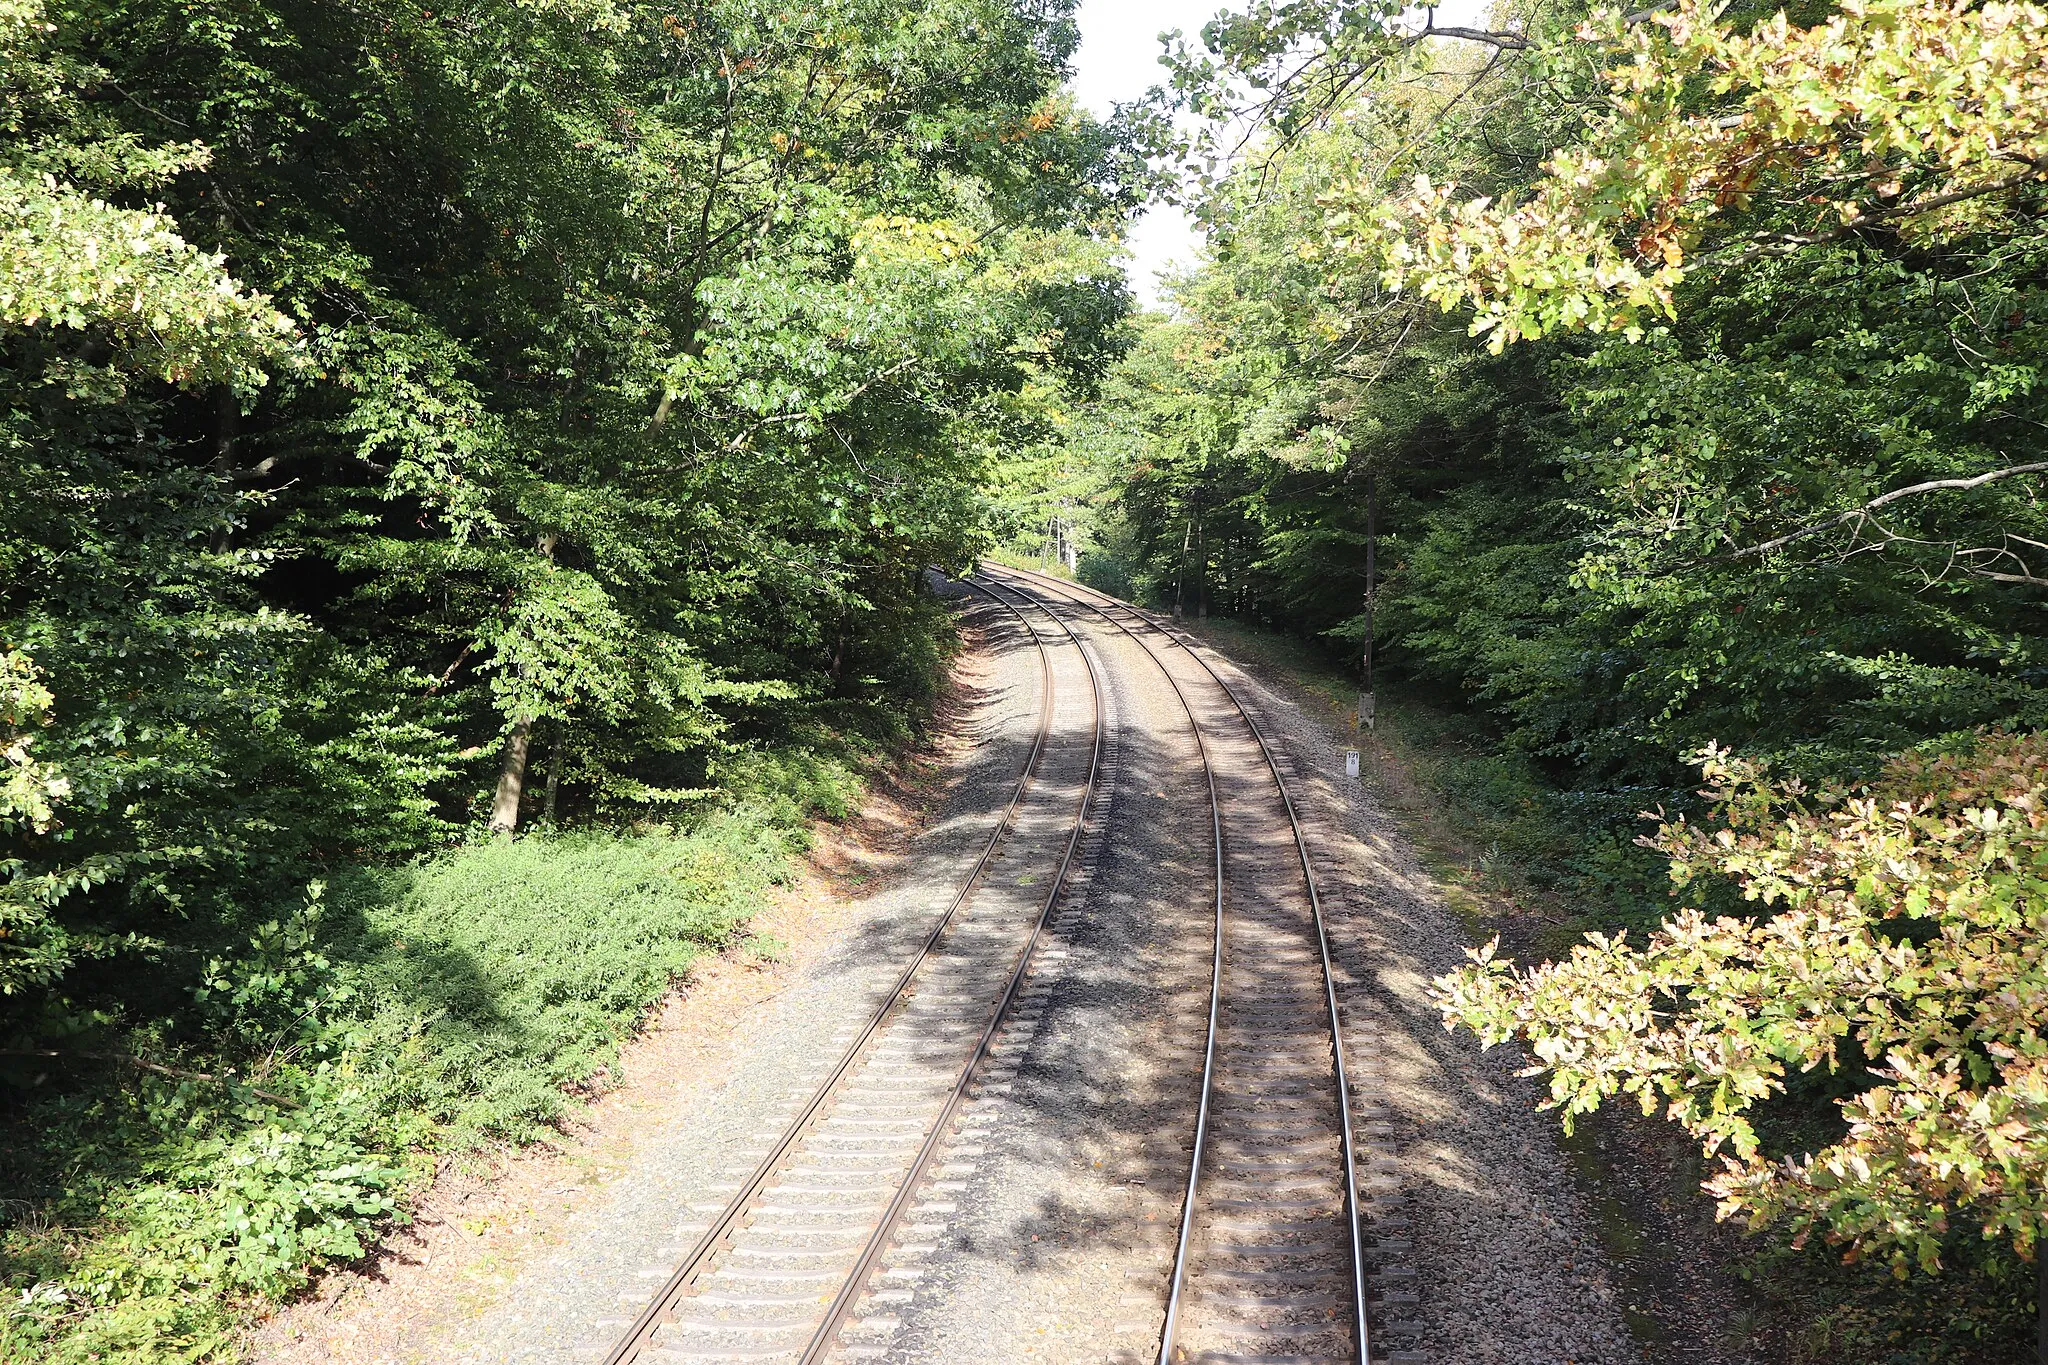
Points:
(128, 1059)
(1519, 42)
(1507, 42)
(1857, 513)
(449, 676)
(1785, 244)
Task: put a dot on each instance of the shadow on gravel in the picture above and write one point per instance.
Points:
(929, 872)
(1101, 1117)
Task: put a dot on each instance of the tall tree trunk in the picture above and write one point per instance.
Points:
(511, 779)
(227, 425)
(1180, 582)
(512, 767)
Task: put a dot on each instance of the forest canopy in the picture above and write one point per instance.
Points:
(534, 413)
(398, 398)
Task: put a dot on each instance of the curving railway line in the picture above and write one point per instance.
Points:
(782, 1269)
(1268, 1262)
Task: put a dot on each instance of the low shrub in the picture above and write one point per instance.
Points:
(168, 1175)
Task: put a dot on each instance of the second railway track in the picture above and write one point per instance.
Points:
(785, 1266)
(1267, 1261)
(1269, 1264)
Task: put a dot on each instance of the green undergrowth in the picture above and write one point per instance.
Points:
(1515, 853)
(165, 1180)
(1819, 1311)
(1519, 856)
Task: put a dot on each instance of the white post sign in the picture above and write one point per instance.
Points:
(1351, 763)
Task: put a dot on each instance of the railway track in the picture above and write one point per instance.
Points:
(1269, 1264)
(785, 1266)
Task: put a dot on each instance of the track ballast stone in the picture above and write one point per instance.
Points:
(1508, 1270)
(1045, 1231)
(1479, 1248)
(571, 1306)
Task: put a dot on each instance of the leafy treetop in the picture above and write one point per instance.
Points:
(1909, 931)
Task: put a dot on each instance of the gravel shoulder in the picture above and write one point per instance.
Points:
(1509, 1266)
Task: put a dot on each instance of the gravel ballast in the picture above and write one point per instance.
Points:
(1508, 1266)
(1063, 1223)
(1062, 1233)
(1049, 1228)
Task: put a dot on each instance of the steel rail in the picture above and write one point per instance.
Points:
(1346, 1136)
(850, 1290)
(1215, 965)
(1215, 977)
(664, 1302)
(1185, 1234)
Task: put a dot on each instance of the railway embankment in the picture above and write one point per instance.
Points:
(492, 1213)
(1125, 1053)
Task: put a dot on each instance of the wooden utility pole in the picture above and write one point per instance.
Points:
(1367, 708)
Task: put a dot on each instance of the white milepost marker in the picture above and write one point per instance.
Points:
(1351, 764)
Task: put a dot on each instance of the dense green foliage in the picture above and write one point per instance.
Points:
(1577, 535)
(548, 407)
(1903, 940)
(617, 379)
(398, 1012)
(1691, 367)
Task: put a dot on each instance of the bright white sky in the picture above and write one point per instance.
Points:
(1119, 60)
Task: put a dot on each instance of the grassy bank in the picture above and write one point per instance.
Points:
(1521, 859)
(166, 1179)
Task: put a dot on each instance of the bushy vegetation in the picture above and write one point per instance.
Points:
(399, 1013)
(1902, 947)
(557, 390)
(1685, 367)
